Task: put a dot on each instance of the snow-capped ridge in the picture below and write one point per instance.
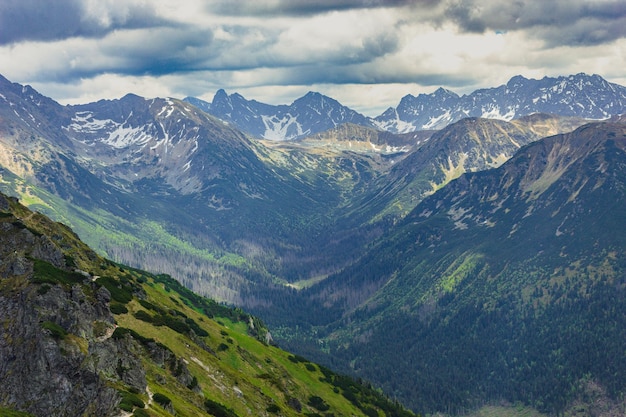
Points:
(309, 114)
(577, 95)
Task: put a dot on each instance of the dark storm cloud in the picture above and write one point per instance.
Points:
(557, 22)
(152, 52)
(34, 20)
(307, 7)
(366, 74)
(584, 33)
(162, 51)
(169, 50)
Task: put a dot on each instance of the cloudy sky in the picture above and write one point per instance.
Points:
(365, 53)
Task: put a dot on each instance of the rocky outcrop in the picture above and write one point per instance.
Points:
(56, 356)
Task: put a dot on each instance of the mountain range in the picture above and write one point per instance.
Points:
(309, 114)
(580, 95)
(481, 240)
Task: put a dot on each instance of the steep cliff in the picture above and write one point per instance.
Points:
(56, 353)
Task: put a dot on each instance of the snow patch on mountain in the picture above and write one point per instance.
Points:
(124, 136)
(168, 109)
(394, 123)
(285, 128)
(115, 134)
(434, 122)
(580, 95)
(495, 112)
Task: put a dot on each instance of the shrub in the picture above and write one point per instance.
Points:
(46, 273)
(297, 359)
(318, 403)
(69, 261)
(369, 411)
(57, 331)
(349, 395)
(218, 410)
(171, 322)
(121, 332)
(143, 316)
(140, 413)
(149, 306)
(117, 308)
(43, 289)
(161, 399)
(196, 328)
(119, 292)
(130, 401)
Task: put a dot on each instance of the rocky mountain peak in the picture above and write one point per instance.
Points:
(220, 95)
(222, 103)
(516, 82)
(444, 92)
(311, 95)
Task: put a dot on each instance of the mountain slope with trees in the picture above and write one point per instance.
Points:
(506, 284)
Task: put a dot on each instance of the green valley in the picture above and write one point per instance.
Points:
(152, 346)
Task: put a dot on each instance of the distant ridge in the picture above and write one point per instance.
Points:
(310, 114)
(579, 95)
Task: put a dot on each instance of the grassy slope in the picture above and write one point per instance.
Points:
(248, 376)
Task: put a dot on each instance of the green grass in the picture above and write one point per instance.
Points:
(57, 331)
(457, 272)
(46, 273)
(9, 412)
(248, 369)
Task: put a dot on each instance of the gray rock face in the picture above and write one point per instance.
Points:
(4, 203)
(56, 354)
